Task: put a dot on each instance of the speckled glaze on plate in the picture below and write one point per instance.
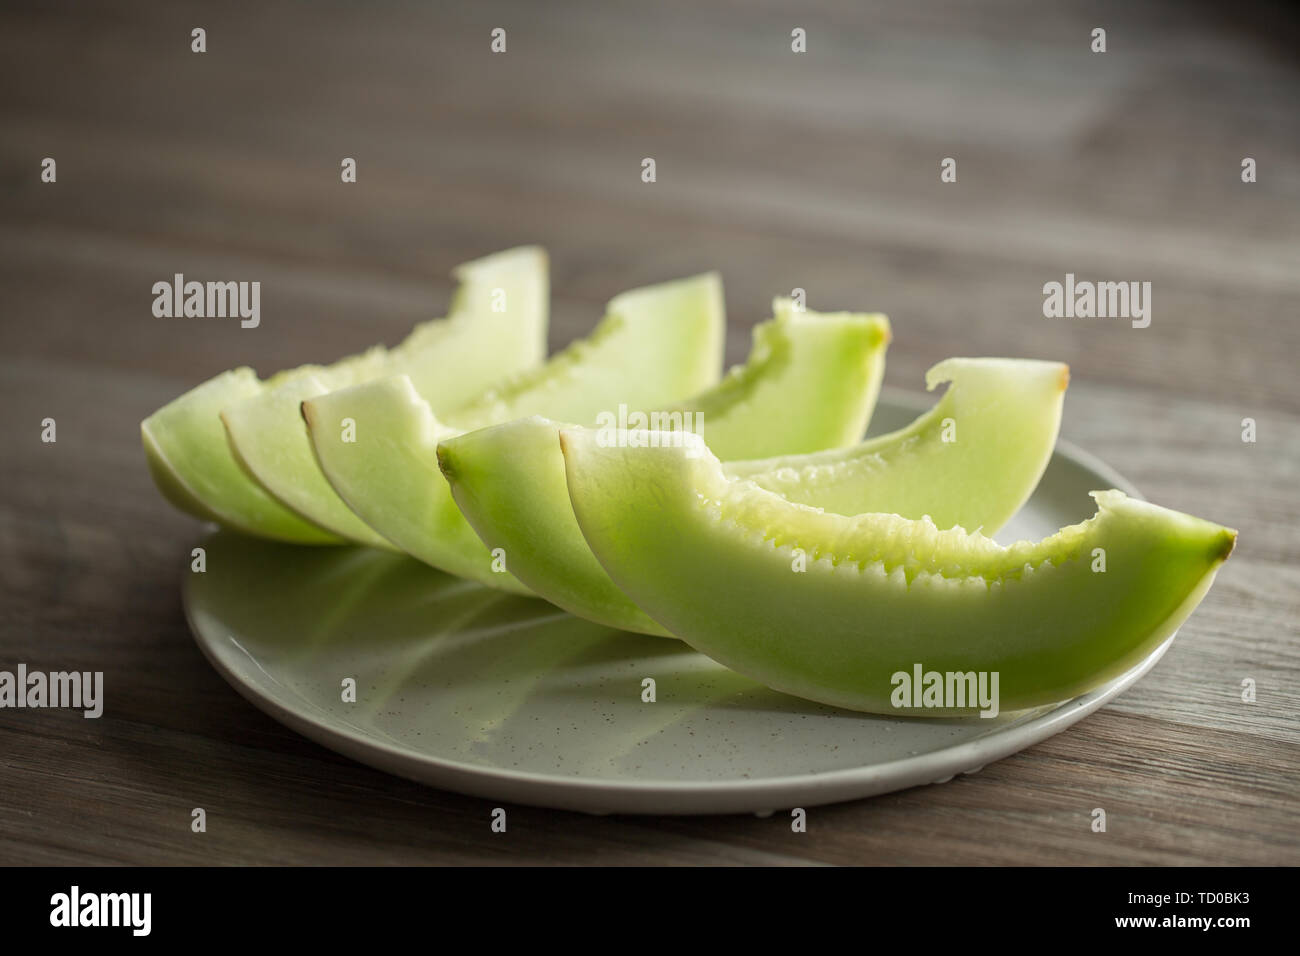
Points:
(508, 698)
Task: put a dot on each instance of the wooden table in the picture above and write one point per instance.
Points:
(817, 170)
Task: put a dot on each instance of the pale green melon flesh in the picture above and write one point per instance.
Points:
(196, 468)
(389, 475)
(655, 345)
(810, 382)
(495, 329)
(497, 325)
(807, 375)
(716, 561)
(192, 464)
(509, 480)
(970, 462)
(269, 439)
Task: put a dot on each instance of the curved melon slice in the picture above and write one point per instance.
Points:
(388, 475)
(451, 360)
(655, 345)
(810, 382)
(495, 329)
(192, 464)
(509, 480)
(269, 439)
(971, 461)
(716, 561)
(809, 378)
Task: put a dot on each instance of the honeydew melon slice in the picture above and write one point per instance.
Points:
(810, 382)
(509, 480)
(834, 609)
(451, 360)
(654, 346)
(971, 461)
(193, 466)
(807, 375)
(269, 439)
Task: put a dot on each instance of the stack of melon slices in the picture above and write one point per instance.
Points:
(769, 536)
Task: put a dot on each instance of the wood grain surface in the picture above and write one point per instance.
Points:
(816, 170)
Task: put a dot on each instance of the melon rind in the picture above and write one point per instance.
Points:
(655, 345)
(509, 480)
(830, 608)
(266, 483)
(971, 461)
(810, 380)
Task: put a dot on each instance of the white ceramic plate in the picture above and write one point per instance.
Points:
(508, 698)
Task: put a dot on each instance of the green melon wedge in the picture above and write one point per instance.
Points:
(839, 609)
(497, 327)
(654, 346)
(971, 461)
(811, 381)
(451, 360)
(192, 464)
(509, 480)
(269, 439)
